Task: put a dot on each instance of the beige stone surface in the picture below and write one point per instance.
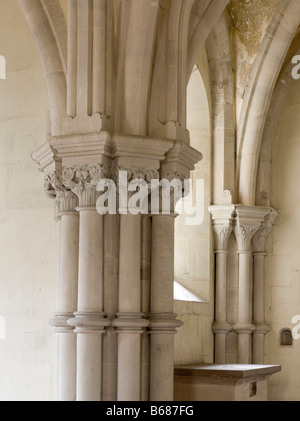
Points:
(186, 89)
(27, 226)
(226, 382)
(282, 263)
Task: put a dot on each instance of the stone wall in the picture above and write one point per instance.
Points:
(283, 248)
(27, 225)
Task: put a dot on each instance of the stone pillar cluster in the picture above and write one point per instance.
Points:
(114, 321)
(67, 285)
(222, 228)
(250, 227)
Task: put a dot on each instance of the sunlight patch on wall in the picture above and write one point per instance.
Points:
(183, 294)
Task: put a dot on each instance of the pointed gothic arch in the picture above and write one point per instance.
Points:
(263, 77)
(193, 237)
(51, 59)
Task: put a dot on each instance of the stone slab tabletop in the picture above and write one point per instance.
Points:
(226, 370)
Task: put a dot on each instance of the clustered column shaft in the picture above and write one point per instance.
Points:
(67, 283)
(67, 304)
(163, 322)
(89, 321)
(111, 282)
(115, 298)
(145, 280)
(251, 226)
(129, 323)
(261, 327)
(222, 228)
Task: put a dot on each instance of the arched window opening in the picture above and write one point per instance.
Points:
(193, 236)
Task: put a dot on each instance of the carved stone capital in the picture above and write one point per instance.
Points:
(248, 221)
(173, 187)
(66, 200)
(244, 234)
(175, 175)
(142, 174)
(221, 236)
(222, 224)
(83, 179)
(133, 187)
(51, 182)
(260, 237)
(165, 191)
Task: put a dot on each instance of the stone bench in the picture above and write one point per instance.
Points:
(228, 382)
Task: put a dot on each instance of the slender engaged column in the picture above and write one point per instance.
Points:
(163, 321)
(111, 282)
(67, 302)
(261, 327)
(89, 321)
(145, 272)
(244, 327)
(221, 327)
(129, 323)
(68, 225)
(72, 58)
(248, 223)
(222, 227)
